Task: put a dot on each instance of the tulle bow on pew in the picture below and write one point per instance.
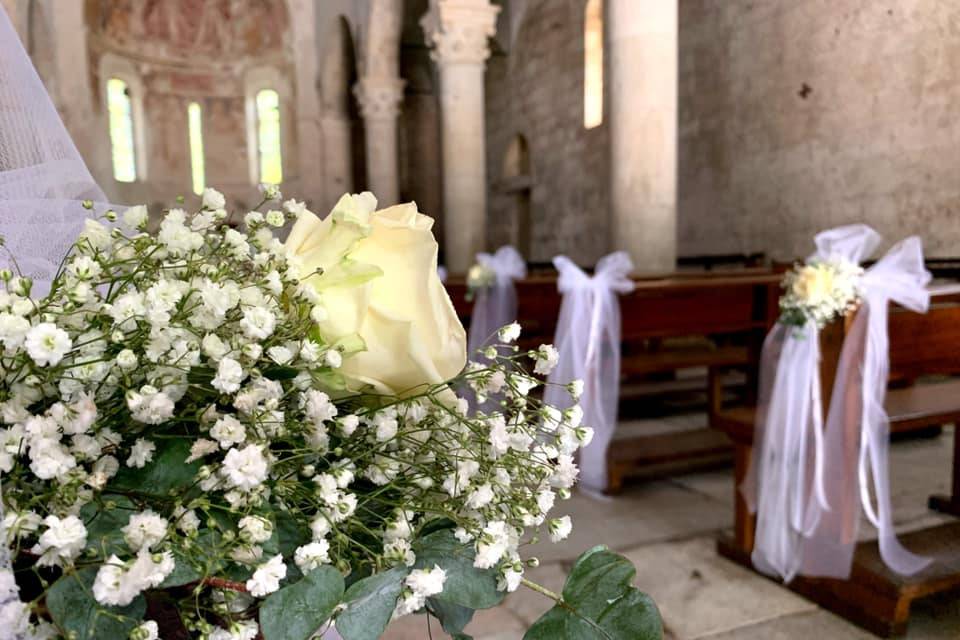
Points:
(588, 338)
(857, 436)
(496, 306)
(787, 472)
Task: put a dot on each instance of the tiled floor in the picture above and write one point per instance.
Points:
(667, 528)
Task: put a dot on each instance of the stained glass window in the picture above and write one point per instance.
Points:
(120, 110)
(593, 64)
(268, 137)
(195, 126)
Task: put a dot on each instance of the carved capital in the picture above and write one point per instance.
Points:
(379, 98)
(459, 30)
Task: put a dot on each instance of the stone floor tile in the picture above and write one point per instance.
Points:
(802, 626)
(497, 620)
(699, 592)
(529, 605)
(715, 483)
(645, 513)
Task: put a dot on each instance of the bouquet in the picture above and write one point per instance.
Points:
(209, 433)
(479, 277)
(819, 291)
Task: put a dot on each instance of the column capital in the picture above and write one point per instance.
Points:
(459, 30)
(379, 98)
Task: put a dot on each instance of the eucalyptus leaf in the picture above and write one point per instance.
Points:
(167, 471)
(105, 519)
(600, 602)
(298, 610)
(465, 585)
(453, 618)
(200, 560)
(74, 610)
(370, 603)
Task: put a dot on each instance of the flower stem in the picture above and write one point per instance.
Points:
(541, 590)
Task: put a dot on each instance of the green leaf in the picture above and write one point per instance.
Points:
(167, 471)
(600, 602)
(452, 617)
(71, 604)
(370, 603)
(298, 610)
(202, 558)
(465, 585)
(291, 533)
(104, 520)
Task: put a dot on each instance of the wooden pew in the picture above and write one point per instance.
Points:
(874, 597)
(737, 307)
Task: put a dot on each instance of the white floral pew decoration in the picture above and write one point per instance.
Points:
(800, 483)
(491, 284)
(588, 341)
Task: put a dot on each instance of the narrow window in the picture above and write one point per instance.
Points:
(593, 64)
(195, 125)
(268, 137)
(120, 110)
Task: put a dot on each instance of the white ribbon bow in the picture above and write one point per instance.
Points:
(495, 306)
(787, 472)
(856, 456)
(588, 339)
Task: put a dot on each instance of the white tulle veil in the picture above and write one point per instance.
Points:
(43, 179)
(43, 183)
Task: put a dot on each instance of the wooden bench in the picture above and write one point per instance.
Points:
(874, 597)
(731, 310)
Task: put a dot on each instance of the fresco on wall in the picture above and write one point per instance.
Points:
(220, 30)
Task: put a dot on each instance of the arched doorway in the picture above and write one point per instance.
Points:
(517, 183)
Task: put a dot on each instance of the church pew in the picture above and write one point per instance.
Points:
(736, 307)
(874, 597)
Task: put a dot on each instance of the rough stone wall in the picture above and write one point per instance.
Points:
(797, 116)
(537, 91)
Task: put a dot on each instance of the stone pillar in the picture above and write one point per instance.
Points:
(309, 134)
(458, 31)
(380, 100)
(642, 92)
(338, 156)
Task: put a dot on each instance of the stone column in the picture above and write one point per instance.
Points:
(642, 92)
(458, 31)
(380, 100)
(338, 156)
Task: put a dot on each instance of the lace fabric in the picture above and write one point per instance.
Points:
(43, 179)
(43, 183)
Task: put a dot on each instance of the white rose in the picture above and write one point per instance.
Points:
(387, 292)
(814, 284)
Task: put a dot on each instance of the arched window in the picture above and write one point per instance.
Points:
(270, 160)
(120, 110)
(593, 64)
(195, 127)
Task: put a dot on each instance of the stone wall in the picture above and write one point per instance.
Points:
(796, 116)
(536, 90)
